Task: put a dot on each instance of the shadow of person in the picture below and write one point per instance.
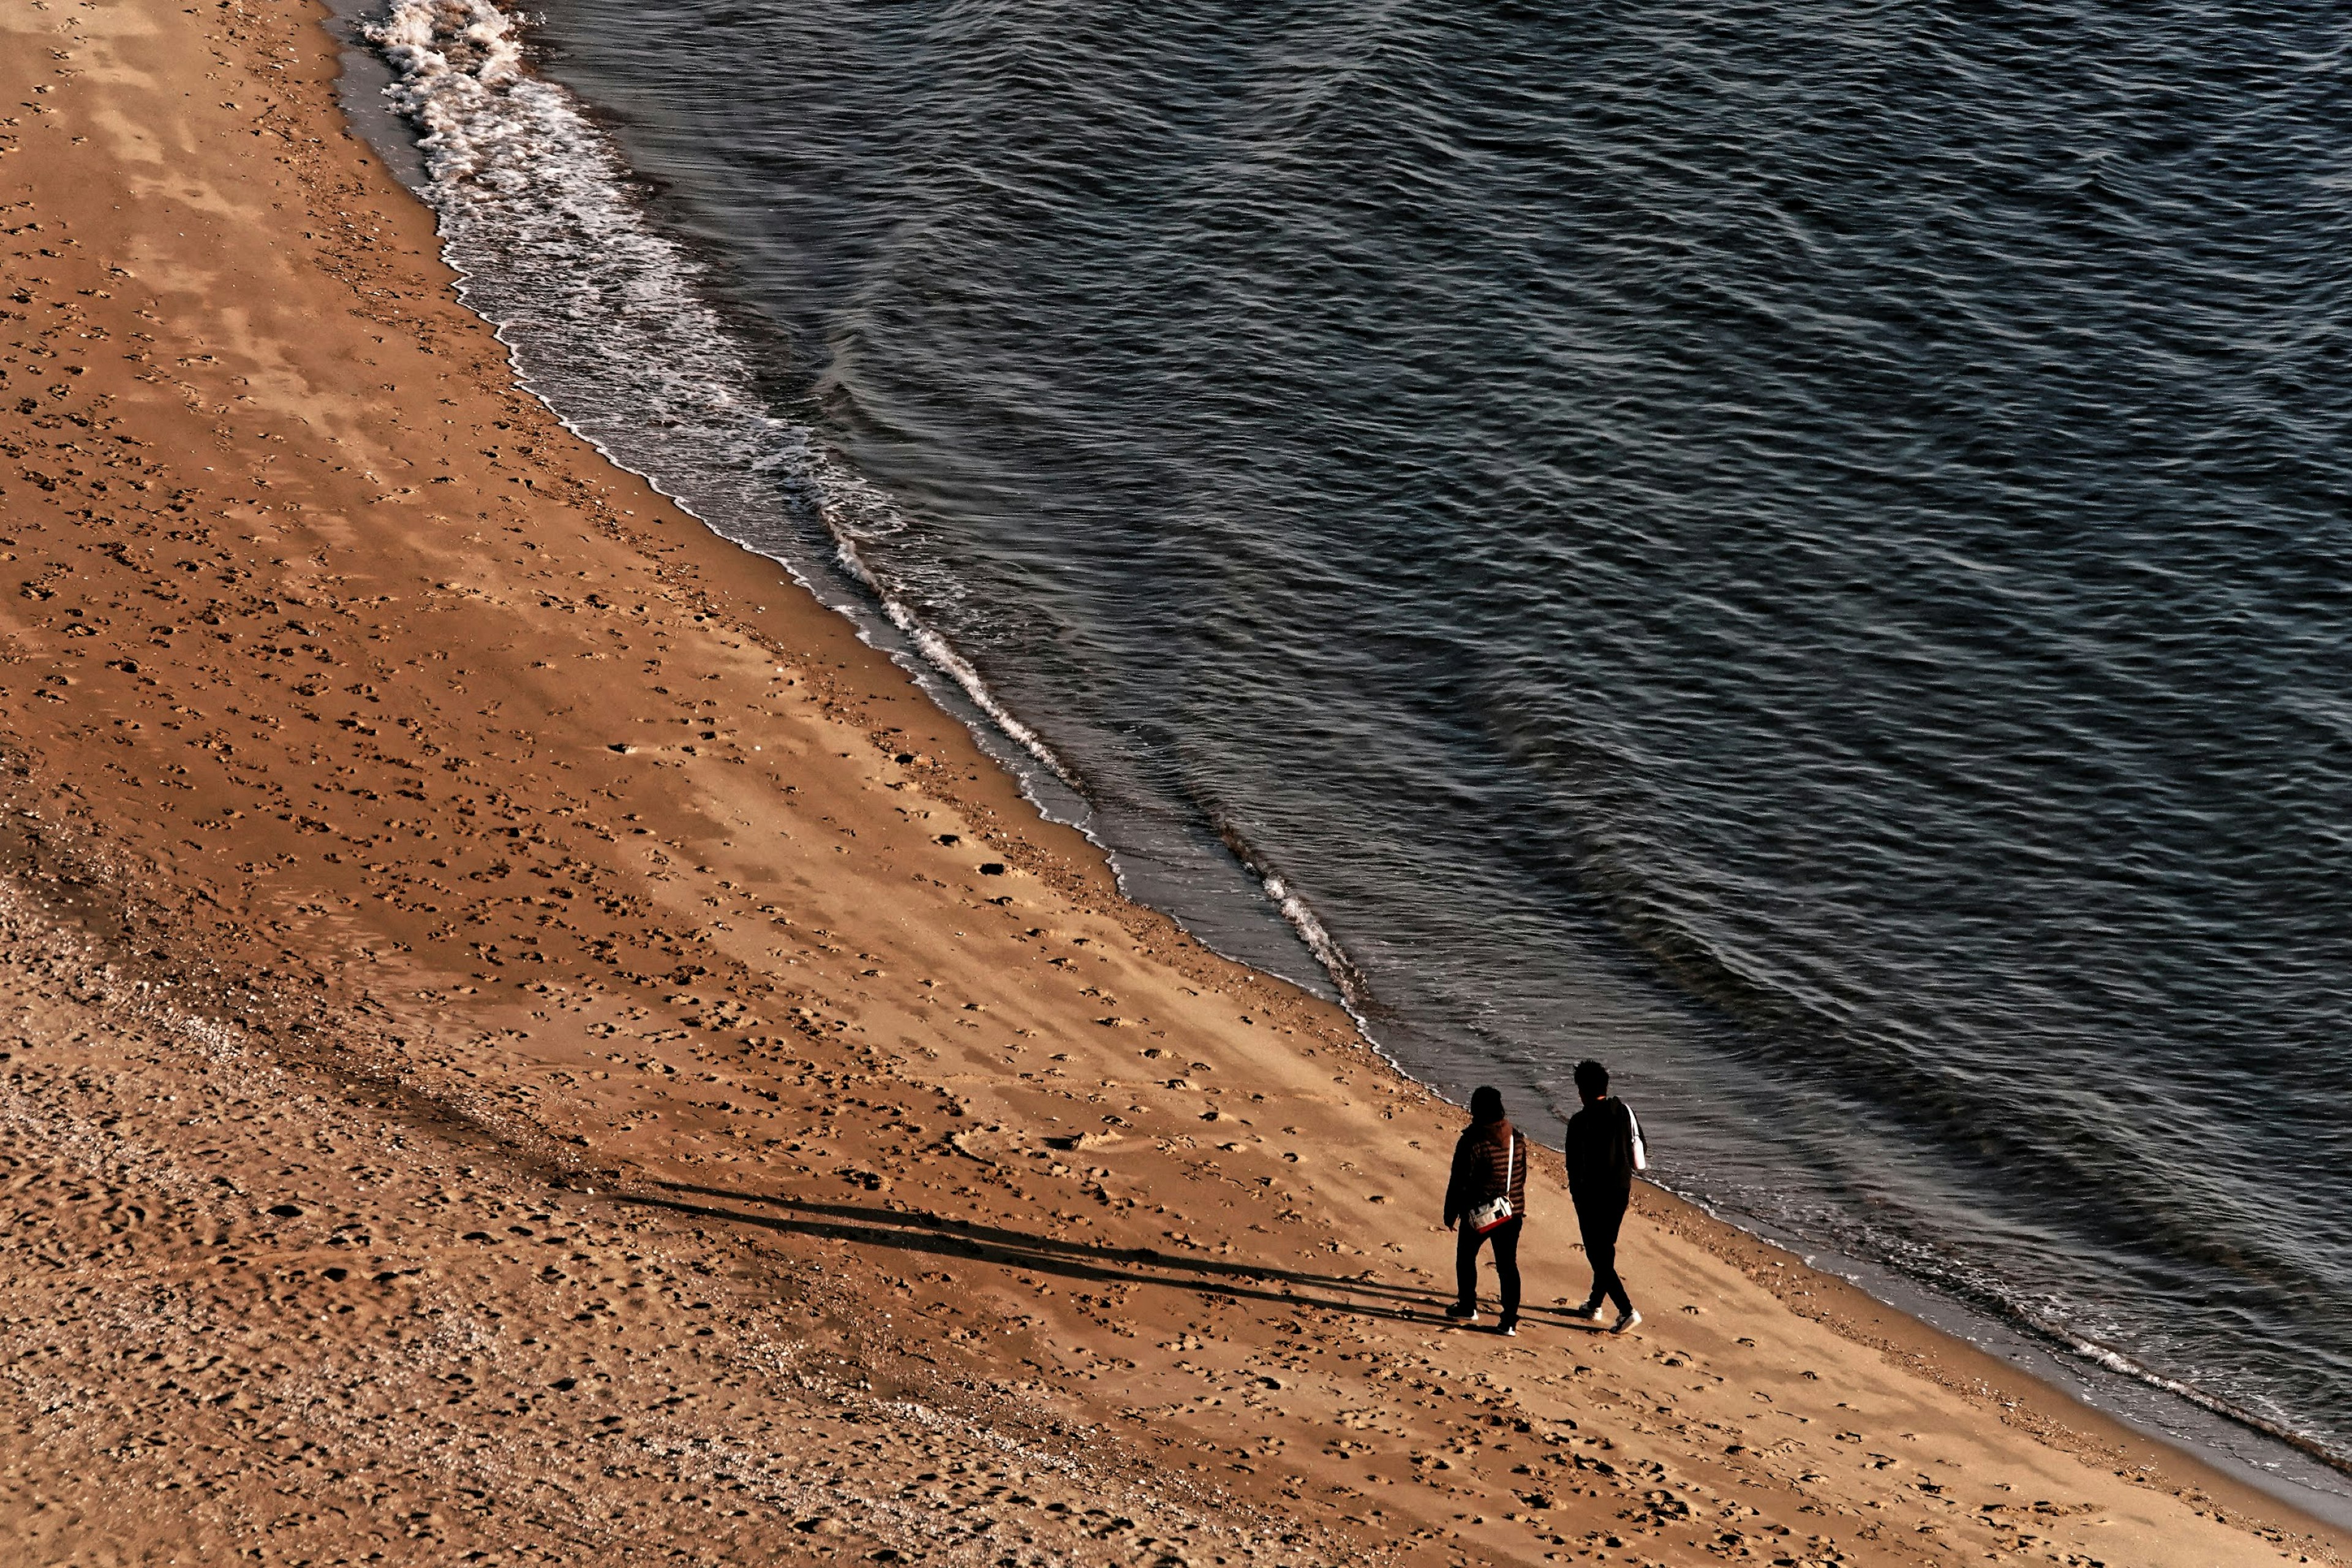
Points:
(1360, 1295)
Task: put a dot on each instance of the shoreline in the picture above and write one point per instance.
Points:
(411, 803)
(2138, 1398)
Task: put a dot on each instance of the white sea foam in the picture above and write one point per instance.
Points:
(450, 60)
(1355, 991)
(2114, 1360)
(937, 649)
(609, 323)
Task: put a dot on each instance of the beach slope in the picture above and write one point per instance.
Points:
(527, 1042)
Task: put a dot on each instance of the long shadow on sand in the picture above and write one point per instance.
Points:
(910, 1231)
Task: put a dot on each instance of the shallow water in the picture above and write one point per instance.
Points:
(1797, 547)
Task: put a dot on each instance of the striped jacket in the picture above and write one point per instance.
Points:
(1480, 1160)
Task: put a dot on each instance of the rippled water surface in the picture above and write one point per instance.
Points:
(1797, 547)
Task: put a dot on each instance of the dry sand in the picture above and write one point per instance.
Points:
(526, 1042)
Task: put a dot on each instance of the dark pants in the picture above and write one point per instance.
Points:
(1506, 1237)
(1600, 1225)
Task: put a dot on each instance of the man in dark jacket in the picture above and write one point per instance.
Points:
(1490, 1162)
(1600, 1151)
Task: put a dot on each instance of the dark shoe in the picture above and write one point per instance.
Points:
(1590, 1313)
(1463, 1311)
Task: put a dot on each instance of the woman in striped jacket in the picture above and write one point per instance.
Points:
(1490, 1163)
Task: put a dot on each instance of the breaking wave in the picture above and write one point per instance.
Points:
(609, 323)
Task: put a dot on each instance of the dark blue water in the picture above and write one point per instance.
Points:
(1798, 547)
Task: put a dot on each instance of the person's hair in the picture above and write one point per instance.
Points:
(1592, 1077)
(1487, 1105)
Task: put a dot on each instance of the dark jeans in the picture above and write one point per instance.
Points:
(1506, 1237)
(1600, 1226)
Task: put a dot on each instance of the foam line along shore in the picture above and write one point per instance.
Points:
(526, 1037)
(607, 318)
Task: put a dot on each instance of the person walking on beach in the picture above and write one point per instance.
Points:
(1486, 1198)
(1601, 1164)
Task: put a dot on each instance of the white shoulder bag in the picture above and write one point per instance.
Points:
(1496, 1213)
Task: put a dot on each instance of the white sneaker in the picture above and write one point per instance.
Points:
(1588, 1313)
(1625, 1323)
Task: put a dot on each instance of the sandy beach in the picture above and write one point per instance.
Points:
(527, 1042)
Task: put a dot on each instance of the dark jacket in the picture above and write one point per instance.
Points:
(1600, 1150)
(1480, 1159)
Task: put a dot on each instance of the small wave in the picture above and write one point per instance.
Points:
(607, 321)
(449, 58)
(1355, 991)
(933, 646)
(2116, 1362)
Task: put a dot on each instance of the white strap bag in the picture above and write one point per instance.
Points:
(1494, 1213)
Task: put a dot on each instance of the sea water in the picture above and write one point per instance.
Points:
(1797, 549)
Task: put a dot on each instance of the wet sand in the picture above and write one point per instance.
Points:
(527, 1042)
